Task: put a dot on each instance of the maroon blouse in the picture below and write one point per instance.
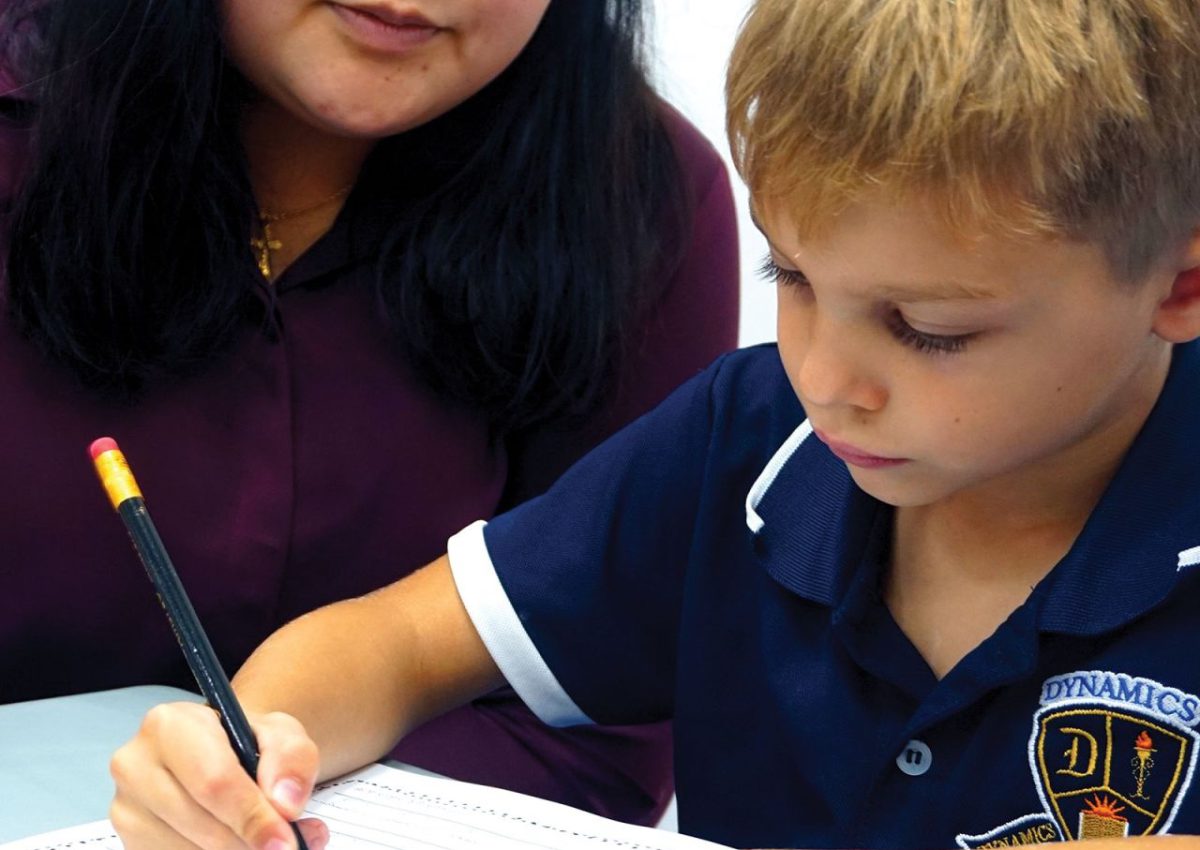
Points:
(308, 466)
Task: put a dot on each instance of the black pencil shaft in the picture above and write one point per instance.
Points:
(197, 649)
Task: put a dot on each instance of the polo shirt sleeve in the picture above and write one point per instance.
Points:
(577, 593)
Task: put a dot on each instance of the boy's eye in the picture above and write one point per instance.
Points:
(926, 343)
(772, 271)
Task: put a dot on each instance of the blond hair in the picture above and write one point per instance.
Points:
(1078, 118)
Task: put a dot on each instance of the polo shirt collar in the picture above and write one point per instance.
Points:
(811, 524)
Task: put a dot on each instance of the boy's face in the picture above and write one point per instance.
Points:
(937, 367)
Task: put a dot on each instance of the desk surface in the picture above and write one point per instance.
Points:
(54, 755)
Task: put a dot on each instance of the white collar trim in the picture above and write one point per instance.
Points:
(767, 477)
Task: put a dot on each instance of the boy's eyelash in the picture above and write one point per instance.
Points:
(772, 271)
(904, 332)
(923, 342)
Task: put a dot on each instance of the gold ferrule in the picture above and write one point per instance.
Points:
(116, 477)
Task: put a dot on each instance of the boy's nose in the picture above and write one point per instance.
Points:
(832, 370)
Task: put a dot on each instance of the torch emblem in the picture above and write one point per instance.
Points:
(1143, 761)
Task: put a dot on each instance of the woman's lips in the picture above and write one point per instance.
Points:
(385, 28)
(856, 456)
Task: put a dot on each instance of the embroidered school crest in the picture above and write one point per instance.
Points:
(1107, 772)
(1111, 755)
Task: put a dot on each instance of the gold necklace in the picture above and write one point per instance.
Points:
(265, 242)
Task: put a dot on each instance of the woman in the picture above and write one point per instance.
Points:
(340, 277)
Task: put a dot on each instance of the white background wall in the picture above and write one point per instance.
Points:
(690, 45)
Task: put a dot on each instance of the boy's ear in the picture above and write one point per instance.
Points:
(1178, 316)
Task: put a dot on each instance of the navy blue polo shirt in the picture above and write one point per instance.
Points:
(714, 564)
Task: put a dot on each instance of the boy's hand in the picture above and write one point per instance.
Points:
(180, 785)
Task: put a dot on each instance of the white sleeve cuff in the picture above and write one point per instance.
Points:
(503, 634)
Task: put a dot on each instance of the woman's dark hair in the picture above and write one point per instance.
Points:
(512, 282)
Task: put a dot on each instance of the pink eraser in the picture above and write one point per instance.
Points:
(99, 447)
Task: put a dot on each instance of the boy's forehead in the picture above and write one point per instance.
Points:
(904, 250)
(874, 221)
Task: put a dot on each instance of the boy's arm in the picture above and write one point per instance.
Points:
(356, 675)
(362, 673)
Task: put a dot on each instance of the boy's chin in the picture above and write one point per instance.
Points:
(897, 490)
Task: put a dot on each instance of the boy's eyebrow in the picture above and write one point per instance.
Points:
(943, 290)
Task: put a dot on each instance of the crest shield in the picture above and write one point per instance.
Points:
(1108, 771)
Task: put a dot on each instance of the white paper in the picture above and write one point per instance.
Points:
(382, 808)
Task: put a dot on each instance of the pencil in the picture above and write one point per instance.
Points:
(127, 500)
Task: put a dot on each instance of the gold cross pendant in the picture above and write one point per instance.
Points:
(263, 246)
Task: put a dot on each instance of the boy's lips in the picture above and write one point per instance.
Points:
(856, 456)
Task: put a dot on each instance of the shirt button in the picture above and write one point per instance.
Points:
(915, 759)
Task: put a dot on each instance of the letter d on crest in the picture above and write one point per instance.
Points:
(1072, 754)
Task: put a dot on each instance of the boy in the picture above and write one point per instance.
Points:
(921, 577)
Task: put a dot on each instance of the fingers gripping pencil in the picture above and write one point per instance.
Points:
(126, 498)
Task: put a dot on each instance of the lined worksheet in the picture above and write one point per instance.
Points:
(382, 808)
